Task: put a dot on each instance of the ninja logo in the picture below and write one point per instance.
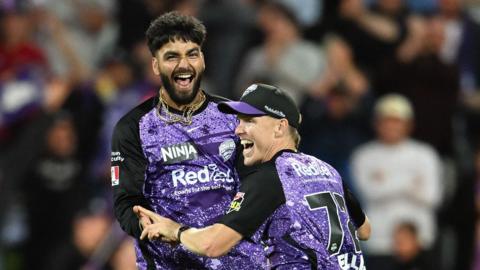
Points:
(179, 152)
(236, 203)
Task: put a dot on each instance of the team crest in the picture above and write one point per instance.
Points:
(250, 89)
(236, 203)
(226, 149)
(115, 170)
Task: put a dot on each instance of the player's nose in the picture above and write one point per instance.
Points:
(239, 129)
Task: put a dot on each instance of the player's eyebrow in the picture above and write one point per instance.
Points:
(193, 50)
(169, 53)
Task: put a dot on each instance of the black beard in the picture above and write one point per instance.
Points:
(173, 94)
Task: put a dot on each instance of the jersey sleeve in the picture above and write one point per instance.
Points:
(128, 175)
(354, 207)
(260, 194)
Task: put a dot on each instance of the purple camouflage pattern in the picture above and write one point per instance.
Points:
(302, 175)
(190, 179)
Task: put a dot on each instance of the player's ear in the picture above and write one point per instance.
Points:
(281, 128)
(155, 68)
(203, 58)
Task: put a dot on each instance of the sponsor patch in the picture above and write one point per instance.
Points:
(115, 170)
(274, 111)
(179, 152)
(226, 149)
(117, 157)
(210, 172)
(236, 203)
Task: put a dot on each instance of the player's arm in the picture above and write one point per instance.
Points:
(128, 170)
(260, 195)
(212, 241)
(364, 230)
(359, 217)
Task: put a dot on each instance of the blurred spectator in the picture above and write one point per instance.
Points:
(96, 243)
(336, 114)
(460, 47)
(230, 25)
(340, 69)
(76, 45)
(409, 254)
(44, 169)
(308, 12)
(334, 127)
(284, 59)
(373, 36)
(23, 68)
(56, 176)
(120, 89)
(398, 179)
(17, 49)
(431, 85)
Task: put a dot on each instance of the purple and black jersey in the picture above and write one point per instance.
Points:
(295, 205)
(183, 172)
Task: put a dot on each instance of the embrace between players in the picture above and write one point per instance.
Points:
(206, 183)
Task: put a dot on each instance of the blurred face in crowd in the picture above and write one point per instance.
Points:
(273, 22)
(15, 28)
(180, 66)
(392, 130)
(61, 138)
(93, 18)
(435, 35)
(405, 244)
(258, 137)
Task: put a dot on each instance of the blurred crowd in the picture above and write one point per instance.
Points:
(389, 92)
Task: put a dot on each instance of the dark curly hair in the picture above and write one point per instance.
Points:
(173, 26)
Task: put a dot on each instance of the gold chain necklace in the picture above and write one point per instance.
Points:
(185, 118)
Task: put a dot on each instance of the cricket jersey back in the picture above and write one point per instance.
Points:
(317, 217)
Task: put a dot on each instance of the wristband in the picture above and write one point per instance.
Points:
(180, 231)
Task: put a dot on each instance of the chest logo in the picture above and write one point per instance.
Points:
(179, 152)
(226, 149)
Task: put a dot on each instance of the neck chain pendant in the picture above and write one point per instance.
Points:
(164, 113)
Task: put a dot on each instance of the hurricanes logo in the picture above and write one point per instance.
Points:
(226, 149)
(236, 203)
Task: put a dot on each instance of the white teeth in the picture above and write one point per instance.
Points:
(246, 142)
(184, 76)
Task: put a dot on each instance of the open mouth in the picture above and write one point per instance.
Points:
(183, 79)
(247, 144)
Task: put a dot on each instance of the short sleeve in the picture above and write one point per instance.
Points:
(260, 194)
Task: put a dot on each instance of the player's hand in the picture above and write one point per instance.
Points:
(143, 219)
(157, 231)
(162, 228)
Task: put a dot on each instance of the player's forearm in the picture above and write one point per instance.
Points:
(211, 241)
(365, 230)
(128, 220)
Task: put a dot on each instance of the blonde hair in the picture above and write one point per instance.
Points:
(294, 135)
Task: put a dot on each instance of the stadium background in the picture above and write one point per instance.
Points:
(70, 68)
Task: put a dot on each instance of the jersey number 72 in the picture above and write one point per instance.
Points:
(333, 202)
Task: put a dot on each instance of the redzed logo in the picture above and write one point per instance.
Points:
(115, 170)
